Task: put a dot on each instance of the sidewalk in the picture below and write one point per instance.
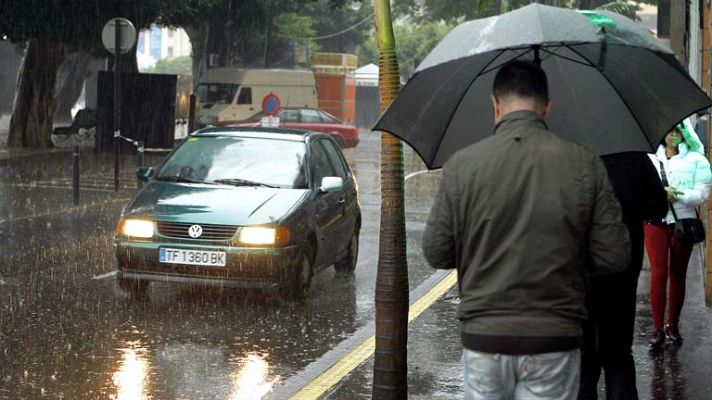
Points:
(434, 369)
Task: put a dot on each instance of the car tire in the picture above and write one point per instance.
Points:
(347, 264)
(298, 287)
(134, 287)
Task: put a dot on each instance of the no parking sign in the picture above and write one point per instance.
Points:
(271, 104)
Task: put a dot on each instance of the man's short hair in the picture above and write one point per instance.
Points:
(523, 79)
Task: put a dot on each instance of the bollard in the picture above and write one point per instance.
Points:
(140, 154)
(75, 175)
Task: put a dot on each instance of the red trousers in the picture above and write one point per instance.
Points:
(668, 261)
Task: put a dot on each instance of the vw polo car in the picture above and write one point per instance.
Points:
(242, 207)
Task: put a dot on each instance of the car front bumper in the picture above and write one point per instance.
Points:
(247, 267)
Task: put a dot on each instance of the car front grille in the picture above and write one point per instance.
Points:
(210, 232)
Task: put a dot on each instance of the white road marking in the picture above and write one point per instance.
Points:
(415, 174)
(104, 276)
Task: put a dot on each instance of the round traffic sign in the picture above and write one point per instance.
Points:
(271, 104)
(128, 35)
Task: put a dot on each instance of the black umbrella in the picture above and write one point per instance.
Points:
(615, 86)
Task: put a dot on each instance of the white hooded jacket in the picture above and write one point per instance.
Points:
(688, 172)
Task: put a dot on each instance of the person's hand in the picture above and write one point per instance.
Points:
(672, 194)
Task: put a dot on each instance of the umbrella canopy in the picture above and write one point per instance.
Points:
(615, 87)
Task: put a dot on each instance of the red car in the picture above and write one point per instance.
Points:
(311, 119)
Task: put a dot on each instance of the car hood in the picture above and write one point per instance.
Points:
(214, 204)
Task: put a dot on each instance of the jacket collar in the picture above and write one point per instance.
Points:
(519, 118)
(682, 150)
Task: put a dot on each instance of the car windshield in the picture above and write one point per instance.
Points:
(217, 93)
(237, 161)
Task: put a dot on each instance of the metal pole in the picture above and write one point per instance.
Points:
(75, 175)
(140, 154)
(191, 114)
(117, 101)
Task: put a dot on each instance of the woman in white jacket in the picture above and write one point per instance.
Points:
(680, 157)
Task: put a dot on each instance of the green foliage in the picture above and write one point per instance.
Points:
(353, 26)
(462, 10)
(176, 66)
(292, 29)
(414, 42)
(627, 9)
(75, 23)
(367, 52)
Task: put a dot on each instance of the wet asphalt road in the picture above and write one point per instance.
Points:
(67, 331)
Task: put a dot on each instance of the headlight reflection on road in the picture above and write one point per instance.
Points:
(250, 380)
(130, 379)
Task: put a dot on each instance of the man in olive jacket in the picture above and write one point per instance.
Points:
(523, 215)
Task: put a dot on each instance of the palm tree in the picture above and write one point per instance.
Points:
(390, 363)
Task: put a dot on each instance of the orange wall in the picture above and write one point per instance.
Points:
(336, 94)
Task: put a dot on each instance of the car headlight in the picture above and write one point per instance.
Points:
(263, 236)
(138, 228)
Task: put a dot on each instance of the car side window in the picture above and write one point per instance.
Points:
(310, 117)
(326, 118)
(245, 96)
(288, 116)
(322, 165)
(334, 158)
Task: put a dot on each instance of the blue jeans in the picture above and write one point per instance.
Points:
(548, 376)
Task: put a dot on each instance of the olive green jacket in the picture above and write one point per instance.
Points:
(522, 215)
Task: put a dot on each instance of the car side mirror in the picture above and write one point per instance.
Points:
(331, 184)
(144, 173)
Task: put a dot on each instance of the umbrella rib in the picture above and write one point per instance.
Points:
(459, 101)
(625, 102)
(484, 72)
(568, 58)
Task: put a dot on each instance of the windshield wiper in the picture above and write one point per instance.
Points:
(242, 182)
(180, 179)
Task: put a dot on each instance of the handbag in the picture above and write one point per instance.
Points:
(687, 230)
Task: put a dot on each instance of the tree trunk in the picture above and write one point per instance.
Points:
(70, 82)
(10, 60)
(197, 36)
(390, 366)
(31, 122)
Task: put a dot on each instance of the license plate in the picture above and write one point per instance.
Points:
(193, 257)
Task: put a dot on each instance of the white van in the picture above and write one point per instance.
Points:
(229, 95)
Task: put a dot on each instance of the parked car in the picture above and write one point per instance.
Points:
(244, 207)
(311, 119)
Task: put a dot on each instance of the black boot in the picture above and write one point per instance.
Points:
(657, 340)
(673, 334)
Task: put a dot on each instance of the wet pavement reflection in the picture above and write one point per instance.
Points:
(68, 332)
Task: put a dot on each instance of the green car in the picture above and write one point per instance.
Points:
(242, 207)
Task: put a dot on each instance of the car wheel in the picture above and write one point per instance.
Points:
(134, 287)
(348, 263)
(298, 288)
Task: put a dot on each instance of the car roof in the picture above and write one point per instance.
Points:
(294, 135)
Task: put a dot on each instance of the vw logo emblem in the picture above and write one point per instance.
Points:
(195, 231)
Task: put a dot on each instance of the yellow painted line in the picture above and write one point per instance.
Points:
(322, 383)
(64, 210)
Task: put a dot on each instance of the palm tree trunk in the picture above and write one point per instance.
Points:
(391, 362)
